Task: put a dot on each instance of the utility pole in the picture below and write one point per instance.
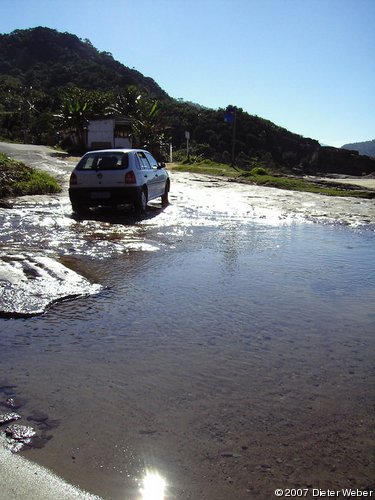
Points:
(187, 137)
(234, 137)
(230, 117)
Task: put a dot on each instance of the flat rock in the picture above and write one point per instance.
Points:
(20, 432)
(30, 283)
(9, 417)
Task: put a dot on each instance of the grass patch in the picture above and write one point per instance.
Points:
(303, 185)
(208, 167)
(261, 177)
(17, 179)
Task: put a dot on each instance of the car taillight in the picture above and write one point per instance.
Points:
(73, 179)
(130, 178)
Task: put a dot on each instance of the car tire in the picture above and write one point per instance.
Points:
(141, 203)
(164, 198)
(79, 209)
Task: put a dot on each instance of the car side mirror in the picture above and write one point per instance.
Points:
(161, 164)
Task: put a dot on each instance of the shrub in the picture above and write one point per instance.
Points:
(36, 183)
(17, 179)
(258, 171)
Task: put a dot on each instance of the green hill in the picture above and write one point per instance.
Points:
(48, 60)
(38, 67)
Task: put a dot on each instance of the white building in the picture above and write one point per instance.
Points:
(114, 132)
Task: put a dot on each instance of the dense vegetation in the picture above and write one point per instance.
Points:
(17, 179)
(51, 83)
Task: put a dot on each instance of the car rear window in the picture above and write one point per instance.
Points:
(104, 161)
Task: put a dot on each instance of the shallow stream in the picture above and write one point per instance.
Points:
(230, 346)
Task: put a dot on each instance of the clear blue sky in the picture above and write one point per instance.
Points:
(306, 65)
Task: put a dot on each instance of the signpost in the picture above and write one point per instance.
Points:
(230, 117)
(187, 137)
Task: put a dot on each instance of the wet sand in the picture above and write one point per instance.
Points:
(21, 479)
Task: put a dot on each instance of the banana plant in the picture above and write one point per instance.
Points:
(77, 107)
(145, 115)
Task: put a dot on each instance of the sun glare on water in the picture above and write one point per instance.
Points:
(153, 486)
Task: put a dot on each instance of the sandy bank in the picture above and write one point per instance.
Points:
(20, 479)
(368, 183)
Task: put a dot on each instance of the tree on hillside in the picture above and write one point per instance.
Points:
(20, 106)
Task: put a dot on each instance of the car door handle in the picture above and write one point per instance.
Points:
(145, 175)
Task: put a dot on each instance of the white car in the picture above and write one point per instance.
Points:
(112, 177)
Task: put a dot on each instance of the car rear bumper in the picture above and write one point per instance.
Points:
(93, 197)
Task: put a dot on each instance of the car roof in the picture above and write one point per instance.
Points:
(117, 150)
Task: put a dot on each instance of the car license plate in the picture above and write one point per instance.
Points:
(100, 195)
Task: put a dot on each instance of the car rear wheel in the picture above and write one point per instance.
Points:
(164, 198)
(79, 209)
(141, 203)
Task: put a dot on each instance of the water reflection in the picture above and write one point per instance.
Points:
(153, 486)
